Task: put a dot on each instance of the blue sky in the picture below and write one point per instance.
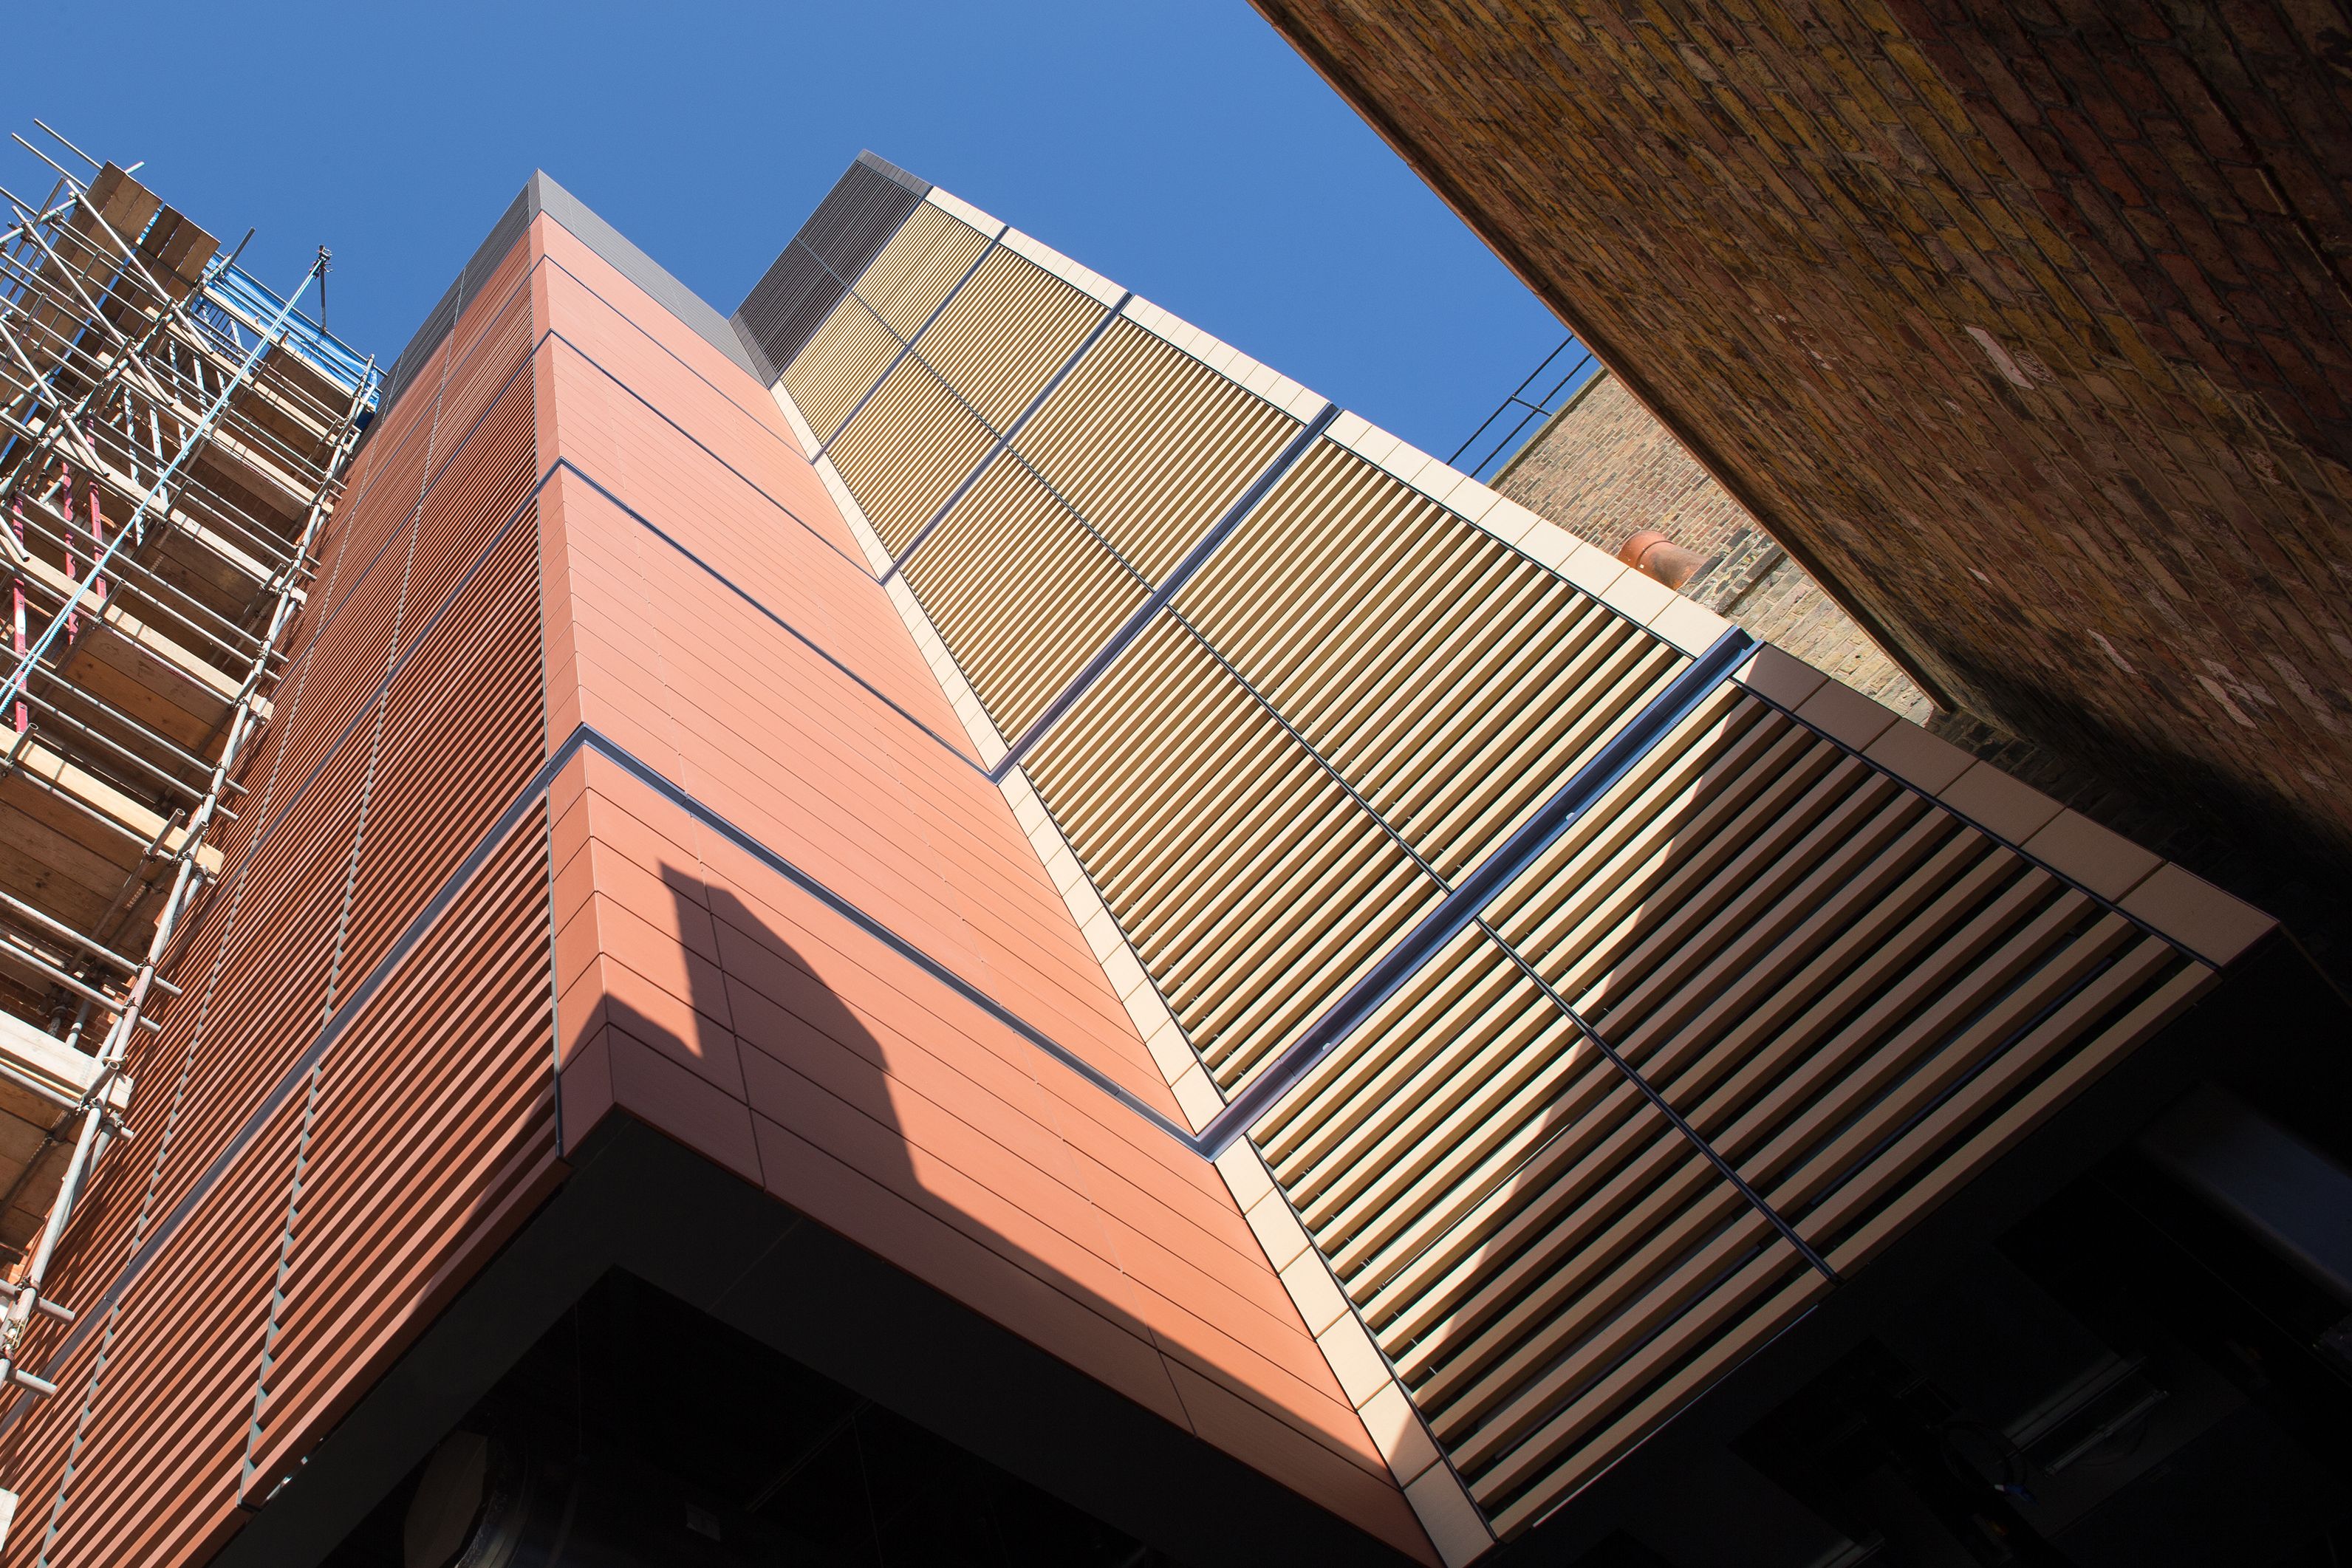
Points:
(1177, 146)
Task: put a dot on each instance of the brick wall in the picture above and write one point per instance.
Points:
(2027, 326)
(1605, 469)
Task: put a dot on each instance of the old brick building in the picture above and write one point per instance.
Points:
(2026, 330)
(1605, 469)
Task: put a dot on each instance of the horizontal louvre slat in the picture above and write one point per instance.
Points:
(907, 451)
(892, 301)
(1455, 682)
(1856, 997)
(390, 1203)
(1151, 445)
(1166, 757)
(1005, 334)
(1137, 453)
(915, 271)
(846, 357)
(1021, 592)
(997, 343)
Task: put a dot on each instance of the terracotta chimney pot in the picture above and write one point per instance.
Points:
(1653, 554)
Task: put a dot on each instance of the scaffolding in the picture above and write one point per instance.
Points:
(172, 434)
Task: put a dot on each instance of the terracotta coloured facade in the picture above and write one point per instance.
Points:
(712, 996)
(1294, 1094)
(621, 562)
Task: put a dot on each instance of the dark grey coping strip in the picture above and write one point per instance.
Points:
(541, 193)
(622, 254)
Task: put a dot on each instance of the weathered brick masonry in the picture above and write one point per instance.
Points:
(1605, 469)
(2022, 326)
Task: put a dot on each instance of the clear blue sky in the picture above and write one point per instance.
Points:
(1177, 146)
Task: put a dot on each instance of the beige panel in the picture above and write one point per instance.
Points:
(934, 417)
(1006, 333)
(907, 451)
(1254, 890)
(1855, 997)
(1021, 591)
(1455, 682)
(1151, 445)
(895, 297)
(845, 358)
(915, 271)
(1139, 451)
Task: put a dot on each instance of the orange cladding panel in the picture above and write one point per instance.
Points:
(435, 959)
(349, 1106)
(723, 629)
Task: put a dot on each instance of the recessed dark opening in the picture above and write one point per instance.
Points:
(642, 1430)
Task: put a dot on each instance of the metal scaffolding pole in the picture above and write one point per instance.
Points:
(172, 437)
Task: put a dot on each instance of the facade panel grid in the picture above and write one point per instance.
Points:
(1848, 994)
(1186, 801)
(848, 354)
(907, 450)
(1415, 1007)
(1004, 335)
(1022, 591)
(914, 274)
(1149, 445)
(1455, 682)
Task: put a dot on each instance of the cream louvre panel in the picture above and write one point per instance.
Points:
(1141, 444)
(907, 451)
(918, 268)
(1252, 888)
(1021, 592)
(1005, 333)
(842, 360)
(1151, 445)
(1455, 682)
(1541, 1255)
(1857, 1000)
(866, 331)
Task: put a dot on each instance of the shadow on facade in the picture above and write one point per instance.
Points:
(1777, 1022)
(883, 1279)
(756, 1357)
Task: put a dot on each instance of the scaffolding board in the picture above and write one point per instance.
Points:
(173, 435)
